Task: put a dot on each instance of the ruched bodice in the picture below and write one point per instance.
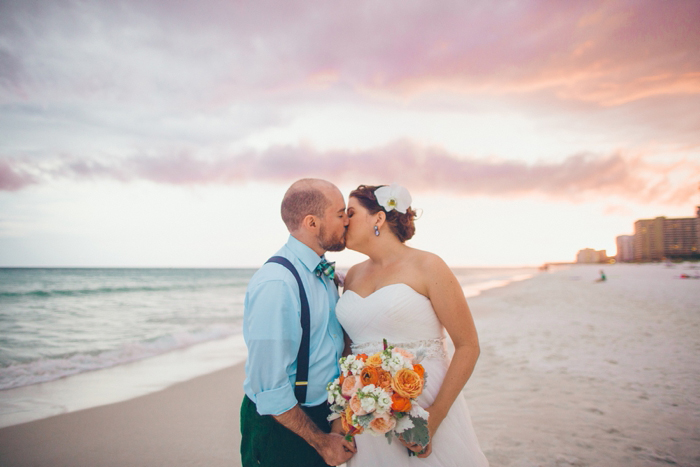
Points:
(407, 319)
(395, 312)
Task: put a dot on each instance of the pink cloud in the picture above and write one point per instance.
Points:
(607, 53)
(575, 178)
(604, 52)
(13, 178)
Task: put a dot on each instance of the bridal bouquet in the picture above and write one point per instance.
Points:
(377, 394)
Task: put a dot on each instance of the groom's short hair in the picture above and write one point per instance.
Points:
(305, 197)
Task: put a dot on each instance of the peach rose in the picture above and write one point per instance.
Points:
(403, 352)
(384, 379)
(350, 385)
(374, 360)
(356, 405)
(369, 375)
(400, 403)
(382, 424)
(407, 383)
(418, 368)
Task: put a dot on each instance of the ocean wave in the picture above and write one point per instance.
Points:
(41, 293)
(49, 369)
(472, 290)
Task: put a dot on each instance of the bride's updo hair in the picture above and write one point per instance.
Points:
(400, 224)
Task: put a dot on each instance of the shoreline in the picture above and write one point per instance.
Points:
(118, 383)
(124, 381)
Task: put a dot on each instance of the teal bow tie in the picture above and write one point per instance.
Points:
(325, 267)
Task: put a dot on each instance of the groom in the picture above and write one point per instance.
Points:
(280, 425)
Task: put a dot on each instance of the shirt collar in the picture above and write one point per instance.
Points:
(305, 254)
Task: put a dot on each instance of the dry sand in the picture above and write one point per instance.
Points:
(575, 372)
(572, 372)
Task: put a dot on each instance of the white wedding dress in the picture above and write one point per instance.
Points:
(407, 319)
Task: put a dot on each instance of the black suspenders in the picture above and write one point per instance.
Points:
(302, 379)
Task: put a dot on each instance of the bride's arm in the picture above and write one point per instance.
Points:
(451, 307)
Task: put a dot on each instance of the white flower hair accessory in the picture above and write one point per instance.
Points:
(393, 197)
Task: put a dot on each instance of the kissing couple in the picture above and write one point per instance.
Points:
(296, 328)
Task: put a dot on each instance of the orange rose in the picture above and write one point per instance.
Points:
(346, 422)
(384, 379)
(418, 368)
(382, 424)
(345, 418)
(407, 383)
(375, 360)
(369, 375)
(362, 356)
(400, 403)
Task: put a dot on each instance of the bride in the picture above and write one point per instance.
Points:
(410, 297)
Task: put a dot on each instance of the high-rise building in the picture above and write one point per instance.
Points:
(662, 238)
(680, 238)
(625, 248)
(649, 239)
(697, 224)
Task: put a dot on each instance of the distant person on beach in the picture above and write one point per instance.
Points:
(284, 412)
(410, 298)
(602, 276)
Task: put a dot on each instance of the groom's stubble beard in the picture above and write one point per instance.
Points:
(332, 243)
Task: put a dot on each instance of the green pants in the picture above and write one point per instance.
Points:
(266, 442)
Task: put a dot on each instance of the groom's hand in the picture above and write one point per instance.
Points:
(335, 449)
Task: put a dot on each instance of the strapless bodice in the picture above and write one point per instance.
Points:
(396, 312)
(406, 319)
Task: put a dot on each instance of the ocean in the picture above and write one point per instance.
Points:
(156, 326)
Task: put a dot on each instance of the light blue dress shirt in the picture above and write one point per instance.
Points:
(272, 331)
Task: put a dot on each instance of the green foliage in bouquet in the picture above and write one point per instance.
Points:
(419, 434)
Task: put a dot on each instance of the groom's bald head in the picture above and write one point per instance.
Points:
(308, 196)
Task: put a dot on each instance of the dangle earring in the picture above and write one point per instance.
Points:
(376, 231)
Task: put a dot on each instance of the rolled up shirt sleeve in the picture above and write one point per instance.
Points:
(272, 331)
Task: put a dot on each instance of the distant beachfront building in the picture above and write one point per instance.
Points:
(589, 255)
(697, 225)
(625, 248)
(662, 238)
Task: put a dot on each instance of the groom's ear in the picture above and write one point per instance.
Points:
(310, 222)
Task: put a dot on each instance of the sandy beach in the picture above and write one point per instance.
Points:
(572, 372)
(188, 424)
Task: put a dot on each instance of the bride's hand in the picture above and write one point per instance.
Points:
(433, 424)
(415, 447)
(426, 452)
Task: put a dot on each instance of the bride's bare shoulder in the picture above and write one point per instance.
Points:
(430, 267)
(426, 261)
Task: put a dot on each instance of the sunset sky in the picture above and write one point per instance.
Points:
(164, 133)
